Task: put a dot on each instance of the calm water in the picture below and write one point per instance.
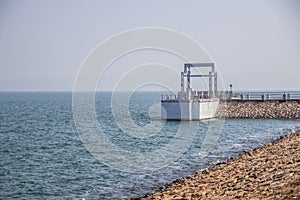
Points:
(42, 156)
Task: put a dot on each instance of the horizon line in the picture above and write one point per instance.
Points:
(238, 90)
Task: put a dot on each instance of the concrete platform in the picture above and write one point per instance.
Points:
(189, 110)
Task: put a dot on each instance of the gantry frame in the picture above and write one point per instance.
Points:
(212, 75)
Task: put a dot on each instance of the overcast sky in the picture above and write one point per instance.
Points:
(255, 44)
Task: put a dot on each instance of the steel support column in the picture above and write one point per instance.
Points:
(188, 78)
(215, 84)
(210, 84)
(182, 82)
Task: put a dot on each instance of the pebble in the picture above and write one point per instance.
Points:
(268, 172)
(259, 110)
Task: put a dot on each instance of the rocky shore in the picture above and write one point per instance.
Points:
(268, 172)
(258, 109)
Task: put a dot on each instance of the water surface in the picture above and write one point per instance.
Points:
(42, 156)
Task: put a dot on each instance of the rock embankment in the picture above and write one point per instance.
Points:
(269, 172)
(262, 110)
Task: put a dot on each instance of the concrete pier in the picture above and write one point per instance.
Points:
(189, 104)
(189, 110)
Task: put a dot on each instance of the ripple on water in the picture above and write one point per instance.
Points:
(42, 156)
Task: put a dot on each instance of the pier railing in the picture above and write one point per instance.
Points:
(195, 95)
(265, 96)
(242, 96)
(169, 97)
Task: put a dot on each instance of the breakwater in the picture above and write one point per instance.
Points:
(259, 109)
(268, 172)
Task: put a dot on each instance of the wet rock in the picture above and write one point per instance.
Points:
(268, 172)
(262, 110)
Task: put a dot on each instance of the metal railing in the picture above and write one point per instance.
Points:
(168, 97)
(266, 96)
(241, 96)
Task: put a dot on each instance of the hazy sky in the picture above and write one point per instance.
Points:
(255, 43)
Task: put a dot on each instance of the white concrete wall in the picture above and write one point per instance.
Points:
(195, 111)
(174, 110)
(208, 109)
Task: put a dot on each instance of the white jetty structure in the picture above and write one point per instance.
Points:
(189, 104)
